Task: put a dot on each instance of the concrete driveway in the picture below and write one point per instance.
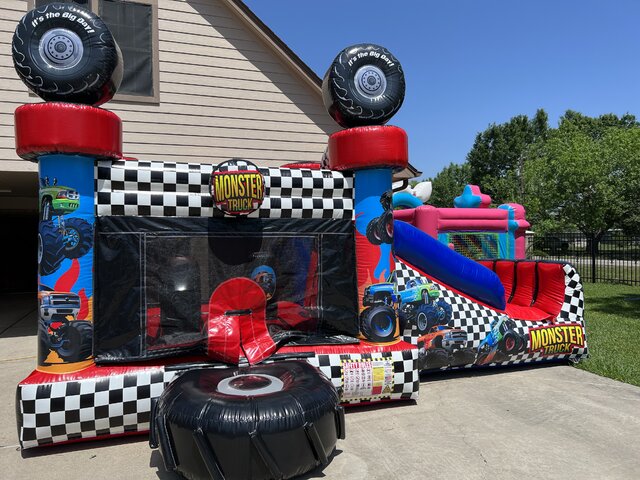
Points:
(542, 422)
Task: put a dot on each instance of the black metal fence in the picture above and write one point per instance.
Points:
(614, 259)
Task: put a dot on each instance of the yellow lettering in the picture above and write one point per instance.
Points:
(536, 343)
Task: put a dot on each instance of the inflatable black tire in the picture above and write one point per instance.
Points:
(378, 324)
(79, 238)
(261, 422)
(363, 86)
(79, 334)
(64, 53)
(50, 247)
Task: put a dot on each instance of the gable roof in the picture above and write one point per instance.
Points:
(277, 45)
(283, 51)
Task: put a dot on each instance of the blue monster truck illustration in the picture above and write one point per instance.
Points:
(418, 303)
(501, 341)
(60, 237)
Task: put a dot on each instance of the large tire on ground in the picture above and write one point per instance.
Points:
(79, 237)
(78, 341)
(266, 421)
(363, 86)
(50, 247)
(378, 324)
(64, 53)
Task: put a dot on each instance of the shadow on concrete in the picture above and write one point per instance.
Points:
(482, 371)
(155, 461)
(83, 444)
(319, 472)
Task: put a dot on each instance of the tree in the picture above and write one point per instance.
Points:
(448, 184)
(499, 154)
(586, 174)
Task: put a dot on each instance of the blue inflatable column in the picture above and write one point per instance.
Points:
(374, 227)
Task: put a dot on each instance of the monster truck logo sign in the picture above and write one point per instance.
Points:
(556, 339)
(237, 187)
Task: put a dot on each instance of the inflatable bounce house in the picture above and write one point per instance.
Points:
(471, 228)
(233, 310)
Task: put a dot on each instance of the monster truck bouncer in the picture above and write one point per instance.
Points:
(236, 308)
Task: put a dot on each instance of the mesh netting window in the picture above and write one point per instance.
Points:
(476, 245)
(132, 26)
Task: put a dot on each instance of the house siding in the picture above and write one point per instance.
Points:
(223, 93)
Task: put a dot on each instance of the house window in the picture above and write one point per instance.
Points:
(134, 24)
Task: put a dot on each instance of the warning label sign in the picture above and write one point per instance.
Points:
(367, 378)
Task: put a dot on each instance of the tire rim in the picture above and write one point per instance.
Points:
(383, 324)
(250, 385)
(422, 322)
(61, 48)
(510, 343)
(370, 81)
(72, 238)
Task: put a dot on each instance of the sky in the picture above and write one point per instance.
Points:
(471, 63)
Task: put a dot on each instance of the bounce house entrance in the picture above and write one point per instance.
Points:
(164, 271)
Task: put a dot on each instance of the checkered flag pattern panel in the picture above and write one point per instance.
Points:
(87, 408)
(406, 380)
(168, 189)
(476, 319)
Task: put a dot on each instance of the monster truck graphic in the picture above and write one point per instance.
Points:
(417, 304)
(443, 346)
(58, 329)
(56, 199)
(60, 238)
(503, 340)
(380, 229)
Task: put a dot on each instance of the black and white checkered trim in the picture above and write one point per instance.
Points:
(168, 189)
(406, 379)
(573, 307)
(476, 319)
(113, 404)
(87, 408)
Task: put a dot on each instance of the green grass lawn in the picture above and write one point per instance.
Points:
(612, 315)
